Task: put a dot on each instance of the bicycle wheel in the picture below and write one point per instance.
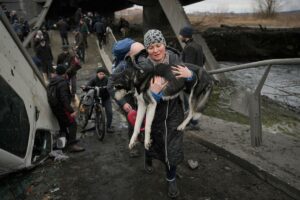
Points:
(100, 122)
(83, 114)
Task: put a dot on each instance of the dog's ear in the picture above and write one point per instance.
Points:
(142, 63)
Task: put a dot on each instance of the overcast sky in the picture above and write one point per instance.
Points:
(236, 6)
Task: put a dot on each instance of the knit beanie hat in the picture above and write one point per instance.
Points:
(153, 36)
(101, 69)
(186, 32)
(60, 69)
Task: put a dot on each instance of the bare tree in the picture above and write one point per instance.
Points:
(267, 8)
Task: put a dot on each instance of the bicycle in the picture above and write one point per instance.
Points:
(89, 105)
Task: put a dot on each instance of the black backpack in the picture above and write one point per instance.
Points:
(52, 95)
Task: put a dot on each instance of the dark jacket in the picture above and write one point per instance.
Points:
(79, 40)
(44, 53)
(129, 98)
(167, 141)
(192, 53)
(64, 59)
(63, 109)
(63, 27)
(100, 83)
(99, 27)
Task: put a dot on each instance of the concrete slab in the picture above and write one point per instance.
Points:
(277, 161)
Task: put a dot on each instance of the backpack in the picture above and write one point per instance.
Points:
(121, 48)
(52, 95)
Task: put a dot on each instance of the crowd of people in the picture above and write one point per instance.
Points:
(19, 24)
(69, 61)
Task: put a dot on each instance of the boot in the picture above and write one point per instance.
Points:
(173, 191)
(75, 148)
(148, 165)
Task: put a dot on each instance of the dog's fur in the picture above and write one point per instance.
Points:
(135, 78)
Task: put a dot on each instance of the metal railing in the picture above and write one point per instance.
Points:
(254, 96)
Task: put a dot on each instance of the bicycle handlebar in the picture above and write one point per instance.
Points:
(86, 88)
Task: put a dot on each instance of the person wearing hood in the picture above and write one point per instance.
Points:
(167, 141)
(63, 110)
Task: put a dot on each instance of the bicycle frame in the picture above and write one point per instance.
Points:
(97, 108)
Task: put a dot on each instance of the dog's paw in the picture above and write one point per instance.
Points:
(181, 127)
(147, 145)
(133, 141)
(131, 144)
(147, 141)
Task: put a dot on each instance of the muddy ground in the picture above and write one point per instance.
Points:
(105, 170)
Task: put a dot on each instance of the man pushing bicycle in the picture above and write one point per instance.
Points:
(101, 81)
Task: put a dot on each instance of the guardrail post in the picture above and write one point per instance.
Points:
(255, 111)
(255, 120)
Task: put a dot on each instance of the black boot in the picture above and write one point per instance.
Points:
(173, 191)
(148, 165)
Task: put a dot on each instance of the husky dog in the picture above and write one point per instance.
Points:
(138, 79)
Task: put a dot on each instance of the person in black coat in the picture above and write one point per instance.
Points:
(99, 28)
(63, 110)
(101, 80)
(66, 58)
(44, 53)
(167, 141)
(191, 53)
(63, 30)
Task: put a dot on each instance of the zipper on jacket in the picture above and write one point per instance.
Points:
(166, 137)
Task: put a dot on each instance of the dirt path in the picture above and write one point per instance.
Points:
(105, 171)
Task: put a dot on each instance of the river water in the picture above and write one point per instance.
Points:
(282, 84)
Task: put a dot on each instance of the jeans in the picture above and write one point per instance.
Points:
(67, 126)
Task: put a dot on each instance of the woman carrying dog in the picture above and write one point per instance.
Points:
(167, 141)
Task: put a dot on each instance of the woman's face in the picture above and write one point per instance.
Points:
(157, 52)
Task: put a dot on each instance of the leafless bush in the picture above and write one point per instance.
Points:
(267, 8)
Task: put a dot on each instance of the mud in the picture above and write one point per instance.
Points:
(105, 171)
